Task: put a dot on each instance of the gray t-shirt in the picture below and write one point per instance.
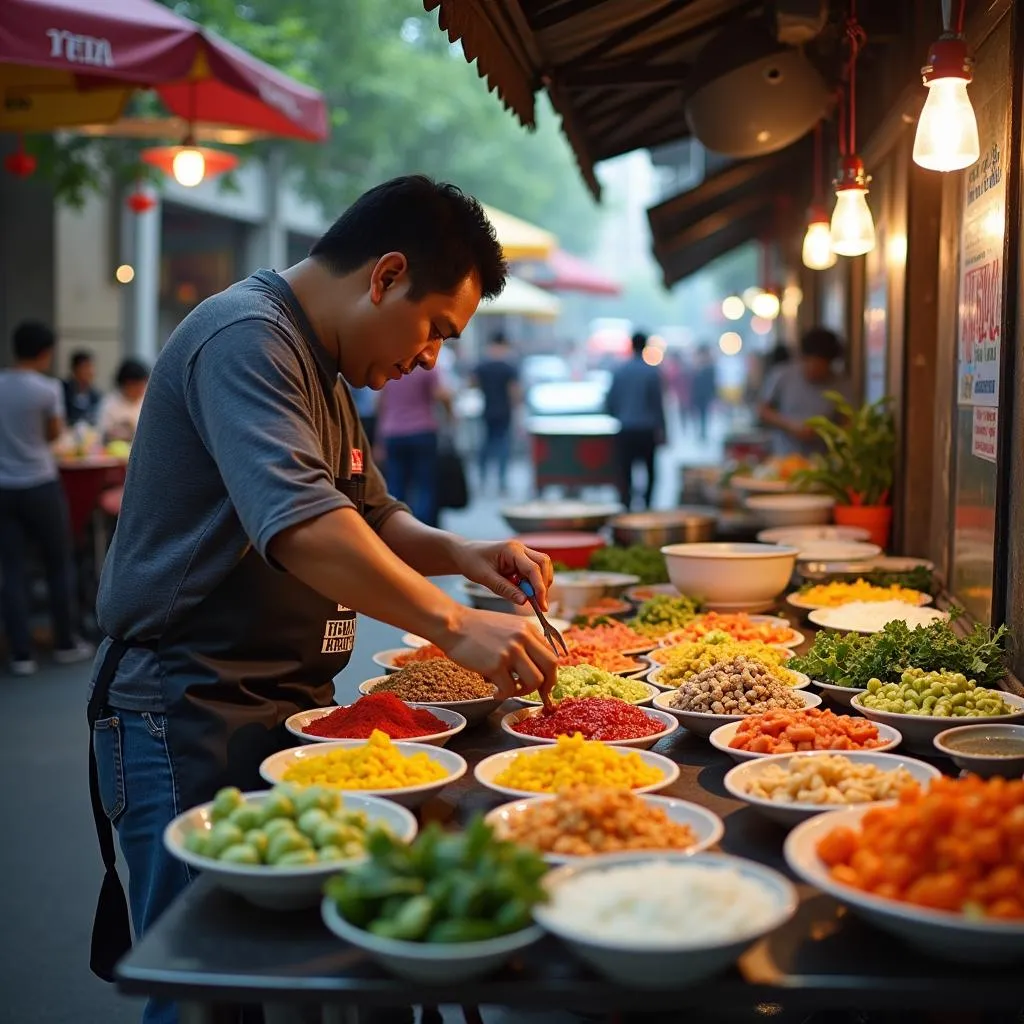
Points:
(235, 444)
(790, 393)
(28, 401)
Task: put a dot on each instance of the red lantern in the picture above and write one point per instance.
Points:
(19, 163)
(140, 202)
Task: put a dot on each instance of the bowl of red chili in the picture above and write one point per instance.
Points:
(383, 711)
(596, 718)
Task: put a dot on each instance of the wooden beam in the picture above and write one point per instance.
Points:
(625, 76)
(663, 9)
(562, 10)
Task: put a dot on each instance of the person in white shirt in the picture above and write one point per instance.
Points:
(119, 411)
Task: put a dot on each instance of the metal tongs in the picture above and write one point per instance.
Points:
(551, 634)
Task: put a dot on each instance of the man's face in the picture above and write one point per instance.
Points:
(816, 369)
(133, 390)
(395, 333)
(84, 374)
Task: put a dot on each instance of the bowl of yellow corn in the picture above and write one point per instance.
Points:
(571, 760)
(408, 773)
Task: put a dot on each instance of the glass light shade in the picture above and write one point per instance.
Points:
(853, 227)
(947, 130)
(766, 305)
(188, 167)
(817, 251)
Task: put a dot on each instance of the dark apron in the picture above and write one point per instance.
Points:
(230, 715)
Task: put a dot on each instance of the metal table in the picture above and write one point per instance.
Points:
(211, 947)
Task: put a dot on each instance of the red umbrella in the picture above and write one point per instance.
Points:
(67, 63)
(564, 272)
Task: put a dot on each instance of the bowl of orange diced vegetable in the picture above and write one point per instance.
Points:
(940, 868)
(783, 731)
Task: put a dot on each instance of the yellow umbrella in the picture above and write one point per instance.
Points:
(519, 239)
(520, 298)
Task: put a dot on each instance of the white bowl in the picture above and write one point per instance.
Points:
(491, 767)
(984, 765)
(943, 934)
(755, 485)
(386, 659)
(800, 536)
(646, 699)
(472, 710)
(723, 736)
(659, 965)
(701, 723)
(802, 681)
(455, 722)
(273, 768)
(706, 826)
(738, 780)
(919, 731)
(667, 722)
(795, 600)
(438, 963)
(792, 509)
(273, 887)
(578, 588)
(850, 618)
(844, 551)
(644, 592)
(838, 694)
(412, 640)
(735, 576)
(795, 639)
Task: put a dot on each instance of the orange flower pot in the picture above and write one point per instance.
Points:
(876, 519)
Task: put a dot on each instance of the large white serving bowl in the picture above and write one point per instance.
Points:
(738, 780)
(472, 710)
(455, 723)
(946, 935)
(799, 536)
(706, 826)
(919, 731)
(640, 701)
(666, 721)
(491, 767)
(724, 735)
(278, 888)
(657, 964)
(412, 640)
(838, 694)
(732, 576)
(436, 962)
(701, 723)
(273, 768)
(792, 509)
(654, 678)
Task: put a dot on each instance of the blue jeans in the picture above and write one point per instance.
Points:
(411, 473)
(140, 797)
(496, 446)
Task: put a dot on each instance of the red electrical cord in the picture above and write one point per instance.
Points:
(961, 12)
(856, 37)
(817, 163)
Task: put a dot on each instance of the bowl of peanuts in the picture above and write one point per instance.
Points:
(789, 788)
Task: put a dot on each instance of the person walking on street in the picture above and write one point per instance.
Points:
(498, 380)
(407, 428)
(81, 399)
(255, 525)
(636, 400)
(704, 390)
(33, 509)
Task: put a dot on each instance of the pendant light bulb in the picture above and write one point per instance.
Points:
(188, 166)
(947, 130)
(817, 253)
(852, 228)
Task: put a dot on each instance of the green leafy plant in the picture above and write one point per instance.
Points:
(857, 465)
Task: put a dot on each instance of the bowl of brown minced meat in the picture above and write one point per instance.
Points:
(439, 683)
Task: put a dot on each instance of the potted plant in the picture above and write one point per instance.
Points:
(857, 465)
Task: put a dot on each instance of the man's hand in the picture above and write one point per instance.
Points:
(508, 650)
(803, 431)
(492, 563)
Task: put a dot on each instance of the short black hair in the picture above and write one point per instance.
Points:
(442, 232)
(131, 371)
(499, 338)
(31, 339)
(79, 357)
(821, 343)
(639, 342)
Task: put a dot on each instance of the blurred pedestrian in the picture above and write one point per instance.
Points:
(635, 399)
(365, 400)
(33, 509)
(119, 411)
(81, 399)
(794, 392)
(704, 389)
(407, 430)
(679, 382)
(498, 380)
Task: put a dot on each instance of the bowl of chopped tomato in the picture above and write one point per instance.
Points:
(789, 732)
(765, 629)
(940, 869)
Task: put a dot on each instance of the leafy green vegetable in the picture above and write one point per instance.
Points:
(854, 660)
(637, 560)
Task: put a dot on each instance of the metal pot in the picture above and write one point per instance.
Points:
(655, 529)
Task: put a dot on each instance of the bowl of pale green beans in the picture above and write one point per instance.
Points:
(923, 704)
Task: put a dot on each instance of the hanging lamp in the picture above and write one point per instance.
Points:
(947, 130)
(816, 251)
(852, 226)
(20, 163)
(188, 163)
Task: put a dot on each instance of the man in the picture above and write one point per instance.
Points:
(498, 381)
(794, 392)
(33, 509)
(81, 399)
(255, 524)
(704, 389)
(635, 400)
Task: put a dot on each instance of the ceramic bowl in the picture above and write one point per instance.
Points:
(455, 723)
(667, 722)
(724, 735)
(731, 576)
(701, 723)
